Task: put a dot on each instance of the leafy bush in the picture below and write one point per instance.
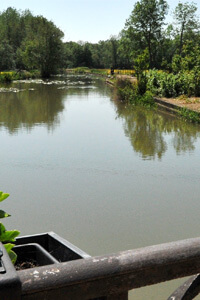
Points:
(129, 92)
(168, 85)
(146, 99)
(5, 77)
(142, 83)
(7, 237)
(187, 114)
(100, 71)
(126, 90)
(81, 70)
(9, 76)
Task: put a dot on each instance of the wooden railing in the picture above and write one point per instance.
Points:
(112, 276)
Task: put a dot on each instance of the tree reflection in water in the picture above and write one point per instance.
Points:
(38, 102)
(147, 130)
(28, 108)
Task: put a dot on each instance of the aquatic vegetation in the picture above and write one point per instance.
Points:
(189, 115)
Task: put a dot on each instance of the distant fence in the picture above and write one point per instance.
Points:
(112, 276)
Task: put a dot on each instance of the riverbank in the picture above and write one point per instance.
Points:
(192, 103)
(187, 107)
(18, 75)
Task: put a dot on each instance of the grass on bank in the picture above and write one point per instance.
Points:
(18, 75)
(189, 115)
(104, 72)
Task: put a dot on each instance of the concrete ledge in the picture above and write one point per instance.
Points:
(174, 108)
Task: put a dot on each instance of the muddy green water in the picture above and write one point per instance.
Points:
(102, 175)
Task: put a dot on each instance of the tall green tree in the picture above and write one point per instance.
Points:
(113, 49)
(131, 44)
(10, 29)
(42, 47)
(50, 46)
(87, 56)
(29, 42)
(7, 61)
(73, 54)
(145, 23)
(186, 21)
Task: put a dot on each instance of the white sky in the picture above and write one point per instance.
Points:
(85, 20)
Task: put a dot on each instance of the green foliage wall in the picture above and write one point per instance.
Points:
(32, 42)
(28, 42)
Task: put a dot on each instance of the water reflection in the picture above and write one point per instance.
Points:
(148, 131)
(25, 104)
(28, 108)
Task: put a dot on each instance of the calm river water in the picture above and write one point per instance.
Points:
(102, 175)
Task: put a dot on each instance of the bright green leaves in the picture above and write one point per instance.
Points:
(8, 247)
(11, 253)
(3, 196)
(7, 237)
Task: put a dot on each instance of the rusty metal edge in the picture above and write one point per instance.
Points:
(112, 274)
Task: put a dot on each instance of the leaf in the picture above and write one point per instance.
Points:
(8, 247)
(11, 253)
(2, 229)
(9, 235)
(3, 214)
(3, 196)
(13, 256)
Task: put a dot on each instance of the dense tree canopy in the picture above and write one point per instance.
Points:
(145, 31)
(186, 21)
(32, 42)
(146, 21)
(28, 42)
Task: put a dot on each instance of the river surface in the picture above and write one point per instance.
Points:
(103, 175)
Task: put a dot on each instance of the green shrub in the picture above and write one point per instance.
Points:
(5, 77)
(81, 70)
(9, 76)
(189, 115)
(146, 99)
(142, 83)
(168, 85)
(126, 90)
(129, 92)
